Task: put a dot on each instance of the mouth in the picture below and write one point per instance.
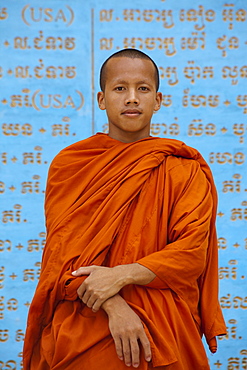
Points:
(131, 113)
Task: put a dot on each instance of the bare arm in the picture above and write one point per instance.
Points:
(127, 331)
(105, 282)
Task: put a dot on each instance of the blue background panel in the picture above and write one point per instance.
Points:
(51, 53)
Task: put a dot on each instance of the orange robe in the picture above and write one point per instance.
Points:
(111, 203)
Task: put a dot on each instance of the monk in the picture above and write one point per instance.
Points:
(129, 272)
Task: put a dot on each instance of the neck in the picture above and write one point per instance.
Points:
(128, 137)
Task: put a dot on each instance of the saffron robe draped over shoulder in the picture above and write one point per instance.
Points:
(110, 203)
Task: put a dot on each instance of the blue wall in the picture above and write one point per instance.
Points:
(51, 52)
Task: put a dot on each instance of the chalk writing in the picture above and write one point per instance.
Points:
(225, 43)
(39, 100)
(16, 129)
(198, 101)
(13, 215)
(193, 72)
(169, 73)
(41, 71)
(201, 15)
(199, 129)
(3, 14)
(194, 41)
(228, 272)
(232, 185)
(41, 42)
(151, 43)
(239, 213)
(50, 59)
(33, 273)
(231, 330)
(37, 14)
(165, 16)
(236, 302)
(230, 15)
(227, 158)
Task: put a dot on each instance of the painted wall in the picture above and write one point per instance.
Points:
(50, 56)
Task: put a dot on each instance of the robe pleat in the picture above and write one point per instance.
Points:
(109, 203)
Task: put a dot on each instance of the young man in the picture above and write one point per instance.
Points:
(129, 271)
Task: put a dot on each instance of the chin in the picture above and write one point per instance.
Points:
(133, 128)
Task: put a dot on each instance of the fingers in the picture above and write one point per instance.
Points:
(83, 271)
(90, 299)
(97, 304)
(81, 290)
(97, 287)
(119, 348)
(146, 346)
(134, 353)
(127, 331)
(128, 349)
(93, 303)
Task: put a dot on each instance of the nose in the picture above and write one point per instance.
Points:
(132, 97)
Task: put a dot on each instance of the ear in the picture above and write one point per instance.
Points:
(101, 100)
(159, 97)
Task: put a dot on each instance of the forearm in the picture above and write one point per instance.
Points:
(109, 306)
(134, 273)
(103, 283)
(127, 331)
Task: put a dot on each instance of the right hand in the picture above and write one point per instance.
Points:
(127, 330)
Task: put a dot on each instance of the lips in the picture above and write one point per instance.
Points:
(131, 112)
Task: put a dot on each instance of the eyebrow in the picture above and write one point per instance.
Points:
(125, 82)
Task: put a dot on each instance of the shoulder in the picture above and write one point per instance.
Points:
(176, 164)
(77, 151)
(181, 157)
(87, 143)
(181, 172)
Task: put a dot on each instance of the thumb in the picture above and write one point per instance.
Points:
(83, 271)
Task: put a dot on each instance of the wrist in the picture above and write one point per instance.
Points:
(124, 274)
(134, 273)
(109, 306)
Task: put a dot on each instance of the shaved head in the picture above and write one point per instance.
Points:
(127, 53)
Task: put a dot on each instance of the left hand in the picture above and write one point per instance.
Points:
(101, 284)
(127, 331)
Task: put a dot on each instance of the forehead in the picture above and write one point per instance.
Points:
(130, 69)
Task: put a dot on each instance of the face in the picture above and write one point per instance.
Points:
(129, 98)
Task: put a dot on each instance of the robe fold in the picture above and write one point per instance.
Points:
(109, 203)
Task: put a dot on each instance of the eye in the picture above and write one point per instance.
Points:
(119, 88)
(144, 88)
